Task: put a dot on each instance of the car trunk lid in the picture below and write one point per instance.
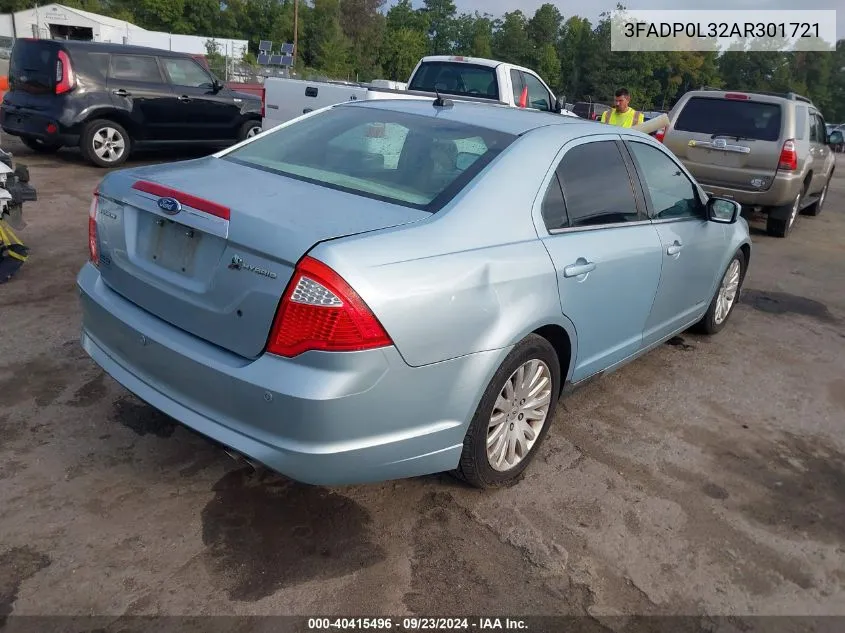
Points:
(209, 245)
(729, 141)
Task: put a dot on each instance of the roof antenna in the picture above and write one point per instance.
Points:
(440, 102)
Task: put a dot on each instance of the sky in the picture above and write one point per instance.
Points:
(569, 7)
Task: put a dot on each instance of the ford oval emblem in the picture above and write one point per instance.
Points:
(171, 206)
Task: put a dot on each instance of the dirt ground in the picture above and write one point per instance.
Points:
(705, 478)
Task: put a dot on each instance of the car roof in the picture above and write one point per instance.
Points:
(500, 118)
(108, 47)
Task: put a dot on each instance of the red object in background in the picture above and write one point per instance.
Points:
(523, 99)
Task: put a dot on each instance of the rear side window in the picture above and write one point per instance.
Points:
(457, 78)
(412, 160)
(33, 66)
(731, 117)
(135, 68)
(554, 206)
(596, 185)
(801, 123)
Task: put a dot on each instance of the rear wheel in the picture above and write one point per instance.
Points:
(249, 129)
(105, 143)
(818, 205)
(513, 416)
(37, 145)
(782, 219)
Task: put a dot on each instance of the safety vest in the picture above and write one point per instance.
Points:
(628, 119)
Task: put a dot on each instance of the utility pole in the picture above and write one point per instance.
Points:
(295, 29)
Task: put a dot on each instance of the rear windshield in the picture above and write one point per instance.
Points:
(731, 117)
(457, 78)
(32, 66)
(408, 159)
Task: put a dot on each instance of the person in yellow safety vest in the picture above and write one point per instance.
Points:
(622, 115)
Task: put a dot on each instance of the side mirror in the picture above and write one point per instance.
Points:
(835, 138)
(560, 104)
(723, 210)
(464, 160)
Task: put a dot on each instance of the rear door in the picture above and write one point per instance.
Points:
(32, 79)
(730, 141)
(606, 252)
(138, 87)
(205, 113)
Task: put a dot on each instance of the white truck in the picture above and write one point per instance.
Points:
(461, 78)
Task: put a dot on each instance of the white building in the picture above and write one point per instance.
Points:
(56, 21)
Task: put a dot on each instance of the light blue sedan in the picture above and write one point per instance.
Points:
(388, 289)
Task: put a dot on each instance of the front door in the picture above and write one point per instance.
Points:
(138, 88)
(606, 252)
(207, 114)
(692, 246)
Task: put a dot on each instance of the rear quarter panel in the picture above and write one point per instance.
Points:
(474, 277)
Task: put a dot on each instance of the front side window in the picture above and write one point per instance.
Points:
(408, 159)
(672, 194)
(596, 185)
(135, 68)
(538, 96)
(185, 72)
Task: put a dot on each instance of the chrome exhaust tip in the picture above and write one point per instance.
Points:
(242, 459)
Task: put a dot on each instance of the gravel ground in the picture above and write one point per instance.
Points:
(705, 478)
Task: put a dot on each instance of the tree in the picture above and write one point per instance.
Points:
(401, 51)
(510, 42)
(441, 25)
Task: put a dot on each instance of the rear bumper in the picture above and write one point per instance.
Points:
(21, 122)
(321, 418)
(783, 190)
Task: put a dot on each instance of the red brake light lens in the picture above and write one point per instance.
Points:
(200, 204)
(320, 311)
(736, 95)
(660, 134)
(65, 80)
(93, 250)
(788, 157)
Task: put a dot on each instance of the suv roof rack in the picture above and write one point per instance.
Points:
(792, 96)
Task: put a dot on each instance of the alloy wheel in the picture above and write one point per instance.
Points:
(109, 144)
(727, 292)
(519, 415)
(253, 131)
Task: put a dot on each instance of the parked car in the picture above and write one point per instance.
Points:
(388, 289)
(456, 77)
(590, 110)
(109, 99)
(831, 128)
(764, 150)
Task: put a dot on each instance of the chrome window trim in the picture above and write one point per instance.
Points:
(599, 227)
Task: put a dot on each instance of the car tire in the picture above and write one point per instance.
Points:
(781, 220)
(534, 355)
(37, 145)
(95, 140)
(816, 208)
(726, 296)
(249, 129)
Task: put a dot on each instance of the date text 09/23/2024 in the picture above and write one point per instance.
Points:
(417, 624)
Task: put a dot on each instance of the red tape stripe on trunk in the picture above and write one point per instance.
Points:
(195, 202)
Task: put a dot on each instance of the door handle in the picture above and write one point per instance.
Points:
(184, 98)
(580, 267)
(675, 248)
(120, 92)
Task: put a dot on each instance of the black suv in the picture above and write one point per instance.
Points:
(110, 98)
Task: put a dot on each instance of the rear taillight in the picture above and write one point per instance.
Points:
(263, 97)
(320, 311)
(93, 250)
(660, 134)
(788, 157)
(65, 80)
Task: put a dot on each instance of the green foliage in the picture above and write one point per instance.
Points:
(366, 39)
